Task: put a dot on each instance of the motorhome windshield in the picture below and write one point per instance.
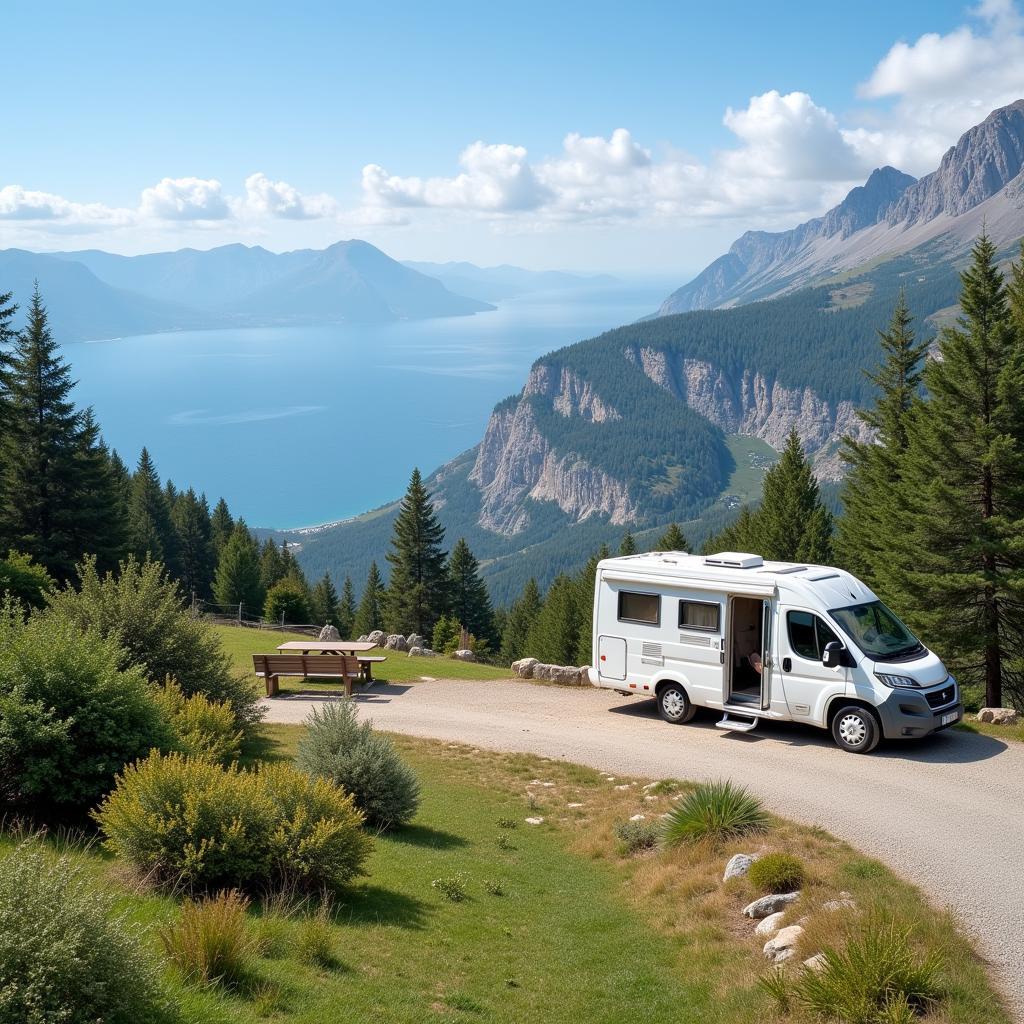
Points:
(877, 631)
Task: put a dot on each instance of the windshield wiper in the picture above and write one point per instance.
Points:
(903, 652)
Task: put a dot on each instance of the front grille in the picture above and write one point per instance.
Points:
(940, 698)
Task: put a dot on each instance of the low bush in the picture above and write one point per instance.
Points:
(70, 716)
(66, 955)
(24, 580)
(636, 836)
(211, 941)
(777, 872)
(192, 822)
(364, 763)
(287, 601)
(143, 609)
(202, 727)
(451, 887)
(876, 979)
(714, 811)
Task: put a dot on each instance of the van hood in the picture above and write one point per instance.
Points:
(928, 670)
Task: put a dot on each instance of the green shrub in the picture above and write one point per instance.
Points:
(202, 727)
(715, 811)
(65, 954)
(193, 822)
(211, 941)
(447, 631)
(286, 601)
(70, 717)
(314, 942)
(24, 580)
(143, 609)
(362, 762)
(777, 872)
(494, 887)
(875, 979)
(451, 887)
(636, 836)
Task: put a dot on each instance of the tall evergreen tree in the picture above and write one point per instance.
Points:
(7, 335)
(52, 496)
(673, 539)
(469, 600)
(956, 566)
(323, 604)
(190, 516)
(628, 545)
(585, 584)
(222, 525)
(273, 567)
(521, 617)
(101, 526)
(150, 531)
(238, 573)
(370, 613)
(347, 609)
(554, 635)
(418, 590)
(870, 489)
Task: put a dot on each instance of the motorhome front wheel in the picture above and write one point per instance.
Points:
(856, 729)
(673, 704)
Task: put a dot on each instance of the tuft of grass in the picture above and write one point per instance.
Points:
(777, 985)
(636, 836)
(451, 887)
(777, 872)
(507, 823)
(313, 941)
(464, 1003)
(493, 887)
(714, 811)
(211, 941)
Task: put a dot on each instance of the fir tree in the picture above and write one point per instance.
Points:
(347, 609)
(190, 517)
(585, 584)
(520, 620)
(7, 335)
(238, 573)
(101, 526)
(469, 601)
(150, 532)
(324, 604)
(870, 489)
(673, 539)
(418, 590)
(553, 637)
(222, 525)
(370, 613)
(955, 567)
(628, 545)
(273, 567)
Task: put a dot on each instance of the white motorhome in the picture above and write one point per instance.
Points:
(765, 640)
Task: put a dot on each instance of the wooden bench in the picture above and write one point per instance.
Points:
(270, 667)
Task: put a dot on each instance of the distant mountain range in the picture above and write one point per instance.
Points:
(492, 284)
(979, 181)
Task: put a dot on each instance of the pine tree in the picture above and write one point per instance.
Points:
(347, 609)
(870, 511)
(553, 637)
(190, 517)
(418, 590)
(628, 545)
(673, 539)
(222, 525)
(238, 573)
(150, 532)
(521, 617)
(370, 613)
(955, 568)
(585, 584)
(324, 604)
(273, 567)
(469, 600)
(51, 480)
(7, 335)
(101, 526)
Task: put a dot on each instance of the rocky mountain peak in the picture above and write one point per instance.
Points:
(866, 204)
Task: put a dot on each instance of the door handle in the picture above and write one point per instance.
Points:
(787, 664)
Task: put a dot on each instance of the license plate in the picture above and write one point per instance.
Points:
(951, 717)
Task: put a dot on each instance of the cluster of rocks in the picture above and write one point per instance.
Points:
(998, 716)
(413, 644)
(567, 675)
(781, 940)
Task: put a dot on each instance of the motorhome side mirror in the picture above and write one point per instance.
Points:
(832, 656)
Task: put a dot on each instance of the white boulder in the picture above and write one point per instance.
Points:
(782, 945)
(465, 655)
(329, 632)
(376, 637)
(816, 962)
(396, 642)
(998, 716)
(523, 668)
(768, 926)
(415, 640)
(770, 904)
(739, 864)
(422, 652)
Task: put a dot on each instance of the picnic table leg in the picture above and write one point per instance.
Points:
(272, 686)
(368, 671)
(348, 685)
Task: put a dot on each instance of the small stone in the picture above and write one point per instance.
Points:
(783, 944)
(625, 786)
(816, 962)
(638, 817)
(574, 805)
(739, 865)
(845, 902)
(651, 799)
(548, 785)
(770, 925)
(534, 821)
(770, 904)
(998, 716)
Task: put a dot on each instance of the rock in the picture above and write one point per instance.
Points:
(638, 817)
(396, 642)
(465, 655)
(567, 675)
(415, 640)
(534, 821)
(816, 962)
(574, 805)
(422, 652)
(770, 925)
(782, 945)
(361, 639)
(523, 668)
(739, 864)
(845, 902)
(329, 632)
(770, 904)
(377, 638)
(998, 716)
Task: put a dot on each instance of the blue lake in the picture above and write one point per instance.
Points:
(297, 426)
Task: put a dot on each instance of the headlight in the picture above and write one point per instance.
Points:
(886, 679)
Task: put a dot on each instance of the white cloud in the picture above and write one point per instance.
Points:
(21, 204)
(185, 199)
(267, 198)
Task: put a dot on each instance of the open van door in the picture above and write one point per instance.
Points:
(767, 657)
(611, 657)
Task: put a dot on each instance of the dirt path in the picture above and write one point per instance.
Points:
(946, 813)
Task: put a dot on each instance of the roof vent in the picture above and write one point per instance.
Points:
(734, 560)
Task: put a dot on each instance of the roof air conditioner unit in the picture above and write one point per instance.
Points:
(734, 560)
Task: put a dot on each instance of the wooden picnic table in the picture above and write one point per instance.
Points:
(326, 646)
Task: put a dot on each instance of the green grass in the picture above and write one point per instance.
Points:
(752, 456)
(1011, 733)
(241, 644)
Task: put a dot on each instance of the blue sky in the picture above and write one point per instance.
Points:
(590, 135)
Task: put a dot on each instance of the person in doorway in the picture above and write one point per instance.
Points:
(755, 662)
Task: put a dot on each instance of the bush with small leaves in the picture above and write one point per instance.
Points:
(507, 823)
(363, 762)
(714, 811)
(777, 872)
(451, 887)
(636, 836)
(66, 954)
(503, 842)
(202, 727)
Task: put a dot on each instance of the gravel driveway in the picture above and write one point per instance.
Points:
(946, 812)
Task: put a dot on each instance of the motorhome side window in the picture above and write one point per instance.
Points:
(808, 635)
(699, 615)
(635, 607)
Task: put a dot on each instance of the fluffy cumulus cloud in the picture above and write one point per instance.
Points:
(185, 199)
(58, 213)
(267, 198)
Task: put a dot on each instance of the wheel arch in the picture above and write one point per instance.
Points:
(842, 701)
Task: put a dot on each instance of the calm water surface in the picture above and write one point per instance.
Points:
(296, 426)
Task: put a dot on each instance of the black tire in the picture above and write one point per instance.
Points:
(673, 704)
(856, 729)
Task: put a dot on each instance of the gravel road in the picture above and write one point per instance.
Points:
(946, 813)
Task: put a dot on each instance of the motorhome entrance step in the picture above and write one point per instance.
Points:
(738, 723)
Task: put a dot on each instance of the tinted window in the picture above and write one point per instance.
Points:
(808, 635)
(639, 607)
(698, 615)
